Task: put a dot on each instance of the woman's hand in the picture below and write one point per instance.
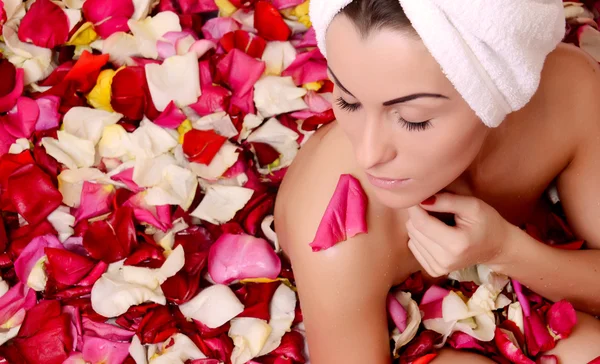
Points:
(479, 237)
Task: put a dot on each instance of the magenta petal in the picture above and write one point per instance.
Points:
(460, 340)
(22, 119)
(97, 350)
(18, 297)
(6, 139)
(547, 359)
(234, 257)
(49, 117)
(240, 71)
(561, 318)
(216, 28)
(45, 25)
(32, 253)
(397, 312)
(244, 102)
(431, 303)
(213, 99)
(507, 346)
(96, 200)
(309, 39)
(111, 26)
(98, 10)
(126, 177)
(106, 331)
(345, 215)
(171, 117)
(521, 297)
(307, 67)
(537, 336)
(157, 216)
(9, 100)
(76, 331)
(284, 4)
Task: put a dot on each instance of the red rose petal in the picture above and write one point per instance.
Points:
(128, 95)
(11, 86)
(45, 25)
(509, 349)
(201, 146)
(248, 43)
(269, 22)
(84, 73)
(256, 298)
(34, 207)
(157, 325)
(66, 267)
(561, 318)
(112, 239)
(265, 153)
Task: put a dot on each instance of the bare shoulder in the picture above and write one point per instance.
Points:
(343, 289)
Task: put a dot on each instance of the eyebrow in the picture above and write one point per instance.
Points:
(398, 100)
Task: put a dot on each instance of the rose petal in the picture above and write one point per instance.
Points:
(98, 350)
(112, 239)
(282, 311)
(12, 87)
(226, 157)
(171, 117)
(150, 140)
(86, 123)
(215, 28)
(71, 183)
(249, 336)
(148, 31)
(307, 67)
(214, 306)
(177, 80)
(33, 207)
(14, 304)
(157, 216)
(178, 349)
(549, 359)
(212, 100)
(281, 138)
(278, 95)
(397, 312)
(202, 146)
(66, 267)
(235, 257)
(21, 120)
(96, 200)
(70, 150)
(45, 25)
(240, 71)
(144, 171)
(178, 187)
(412, 320)
(506, 343)
(221, 203)
(561, 318)
(49, 117)
(345, 215)
(32, 253)
(269, 23)
(115, 142)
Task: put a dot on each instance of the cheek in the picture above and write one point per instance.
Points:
(349, 122)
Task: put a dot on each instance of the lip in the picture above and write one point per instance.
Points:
(387, 183)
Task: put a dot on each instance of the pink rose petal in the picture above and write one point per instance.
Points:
(126, 177)
(21, 120)
(213, 99)
(45, 25)
(96, 200)
(157, 216)
(547, 359)
(49, 117)
(397, 312)
(76, 331)
(106, 331)
(234, 257)
(308, 39)
(561, 318)
(284, 4)
(307, 67)
(98, 350)
(32, 253)
(460, 340)
(431, 303)
(316, 103)
(216, 28)
(345, 215)
(240, 71)
(18, 298)
(171, 117)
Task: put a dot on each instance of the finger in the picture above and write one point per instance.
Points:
(420, 258)
(463, 206)
(430, 226)
(434, 249)
(428, 261)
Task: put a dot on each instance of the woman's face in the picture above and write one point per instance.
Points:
(412, 133)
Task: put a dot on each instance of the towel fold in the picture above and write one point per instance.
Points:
(492, 51)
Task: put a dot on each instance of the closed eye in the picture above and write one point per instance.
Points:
(346, 105)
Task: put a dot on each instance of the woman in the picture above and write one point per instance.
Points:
(406, 133)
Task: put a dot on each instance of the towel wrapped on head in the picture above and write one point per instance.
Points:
(492, 51)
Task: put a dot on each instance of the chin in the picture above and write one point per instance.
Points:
(396, 200)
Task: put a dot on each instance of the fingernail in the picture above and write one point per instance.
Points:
(429, 201)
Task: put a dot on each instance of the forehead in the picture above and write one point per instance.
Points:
(387, 63)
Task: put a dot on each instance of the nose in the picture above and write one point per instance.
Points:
(374, 146)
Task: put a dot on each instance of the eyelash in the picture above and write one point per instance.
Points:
(408, 125)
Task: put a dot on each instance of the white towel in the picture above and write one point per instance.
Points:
(492, 51)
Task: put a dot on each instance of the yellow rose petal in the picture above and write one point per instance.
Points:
(100, 95)
(84, 35)
(302, 9)
(313, 86)
(225, 7)
(305, 19)
(184, 128)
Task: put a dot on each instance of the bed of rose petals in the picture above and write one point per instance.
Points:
(141, 146)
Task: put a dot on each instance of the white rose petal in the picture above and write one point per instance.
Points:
(282, 311)
(281, 138)
(115, 142)
(246, 18)
(19, 146)
(223, 160)
(87, 123)
(278, 95)
(138, 351)
(70, 150)
(177, 79)
(37, 278)
(70, 183)
(278, 56)
(150, 140)
(213, 307)
(74, 17)
(9, 334)
(145, 171)
(74, 4)
(177, 187)
(142, 8)
(14, 8)
(167, 239)
(220, 122)
(3, 288)
(62, 221)
(177, 349)
(221, 203)
(250, 123)
(153, 278)
(148, 31)
(120, 47)
(249, 336)
(414, 320)
(270, 234)
(515, 314)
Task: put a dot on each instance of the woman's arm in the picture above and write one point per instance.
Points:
(554, 273)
